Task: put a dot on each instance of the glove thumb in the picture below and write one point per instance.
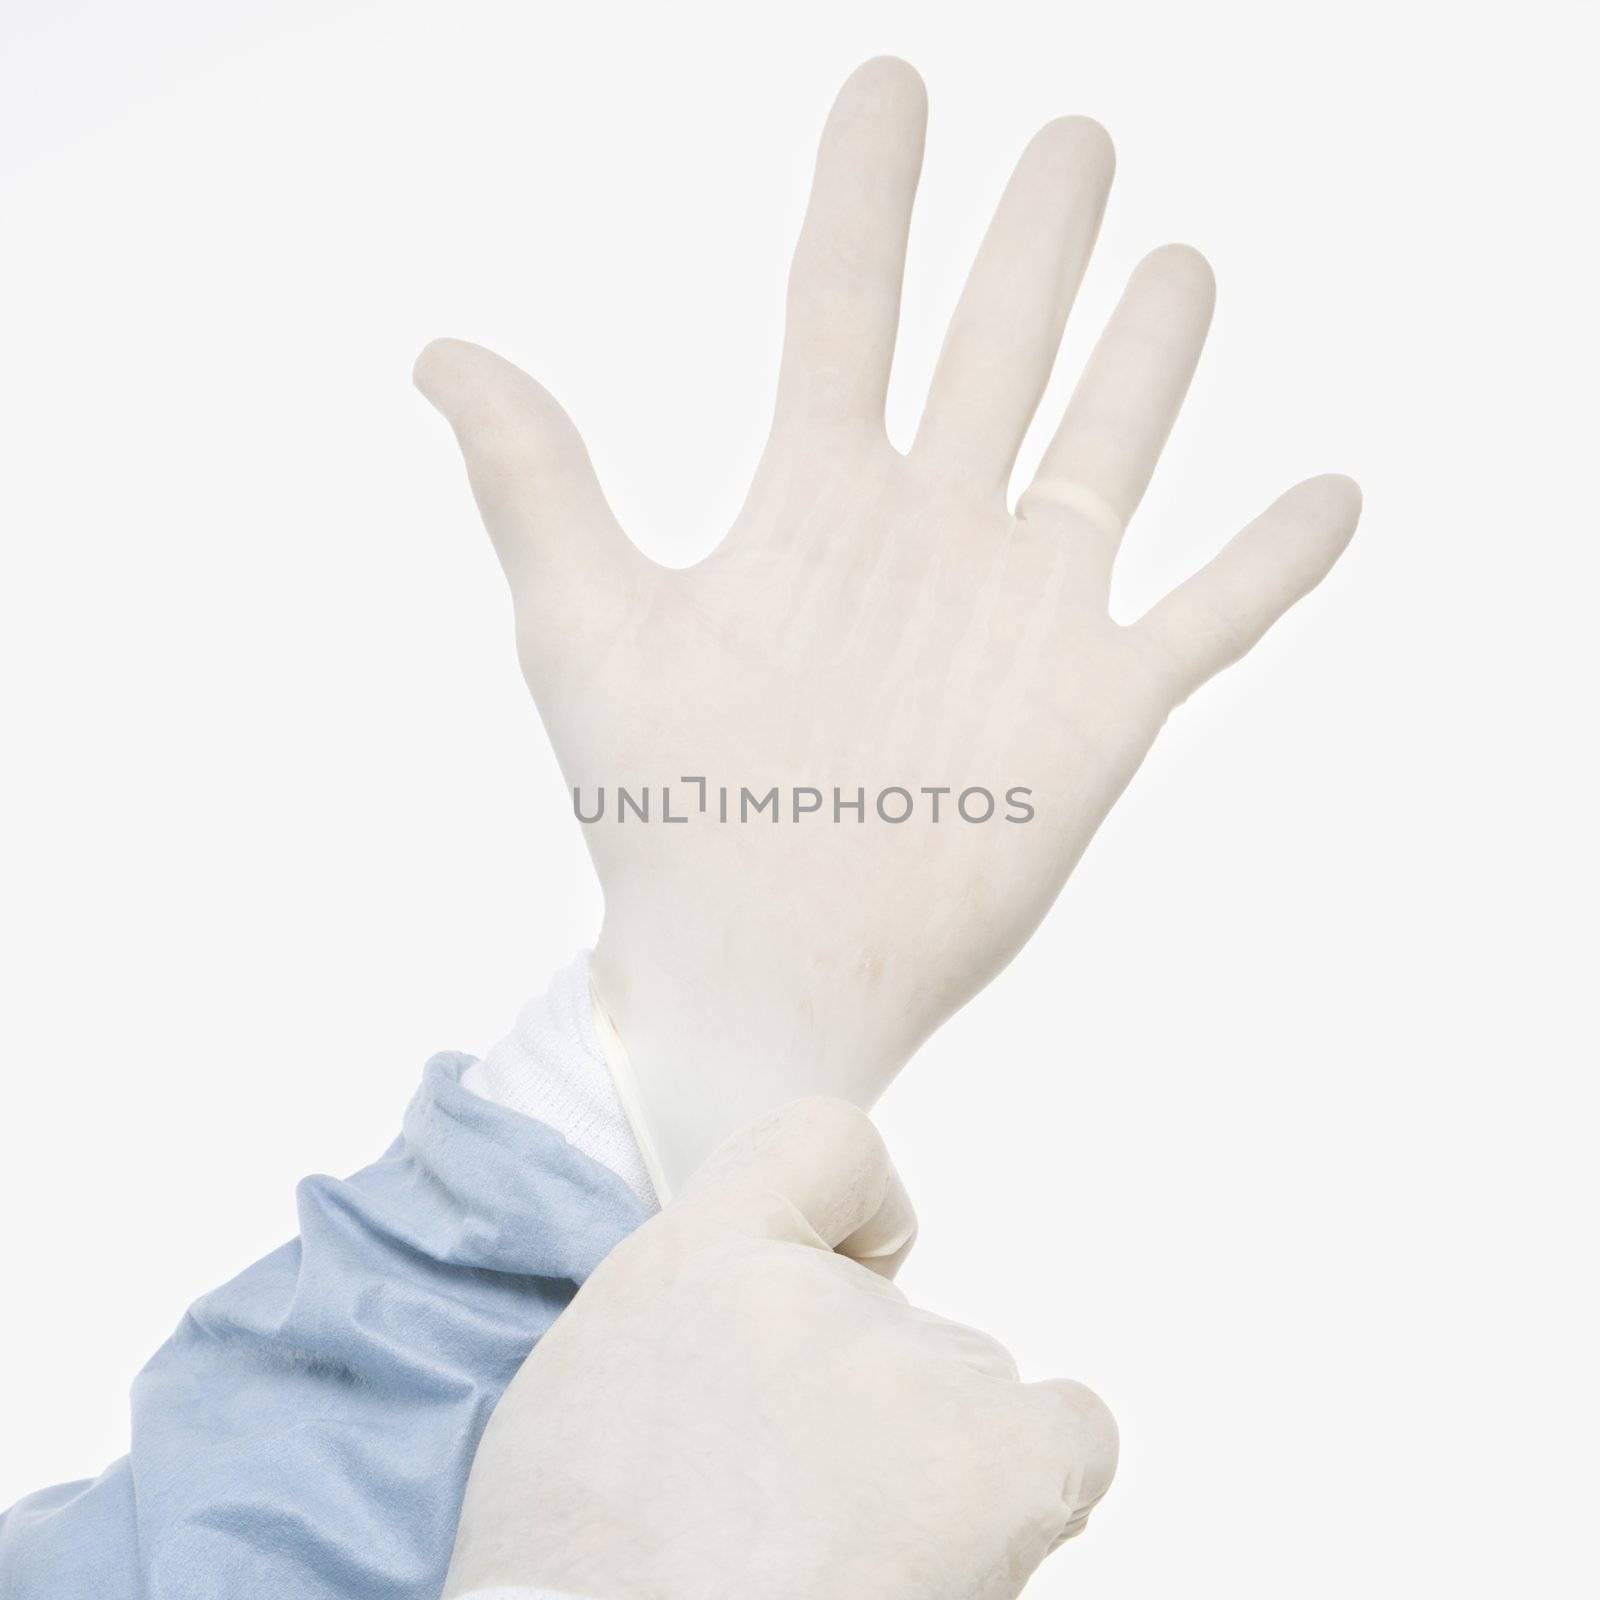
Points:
(827, 1164)
(568, 563)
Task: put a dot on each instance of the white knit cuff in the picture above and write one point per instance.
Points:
(553, 1067)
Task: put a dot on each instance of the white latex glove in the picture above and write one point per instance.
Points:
(872, 619)
(733, 1407)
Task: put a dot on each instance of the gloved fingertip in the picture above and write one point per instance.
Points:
(437, 359)
(828, 1161)
(883, 1242)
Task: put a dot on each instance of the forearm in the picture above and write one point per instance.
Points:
(309, 1426)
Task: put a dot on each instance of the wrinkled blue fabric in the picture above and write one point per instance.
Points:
(306, 1432)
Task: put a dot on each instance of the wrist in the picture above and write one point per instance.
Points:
(704, 1047)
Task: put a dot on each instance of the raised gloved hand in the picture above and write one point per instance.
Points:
(733, 1407)
(877, 629)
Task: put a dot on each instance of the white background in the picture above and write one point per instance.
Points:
(1281, 1133)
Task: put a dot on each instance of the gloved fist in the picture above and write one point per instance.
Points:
(878, 631)
(735, 1406)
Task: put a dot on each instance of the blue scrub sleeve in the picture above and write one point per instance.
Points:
(307, 1430)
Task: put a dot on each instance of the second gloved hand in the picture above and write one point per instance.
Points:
(735, 1408)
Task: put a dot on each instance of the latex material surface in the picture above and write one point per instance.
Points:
(734, 1407)
(874, 623)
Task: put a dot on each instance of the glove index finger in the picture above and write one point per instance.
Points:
(827, 1161)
